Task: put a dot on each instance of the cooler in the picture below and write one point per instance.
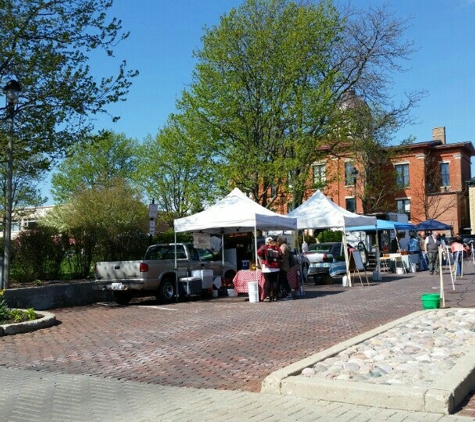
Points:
(206, 277)
(190, 286)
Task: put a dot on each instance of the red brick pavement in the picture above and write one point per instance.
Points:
(224, 343)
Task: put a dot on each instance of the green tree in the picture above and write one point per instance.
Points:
(177, 170)
(46, 46)
(270, 78)
(27, 176)
(96, 163)
(38, 254)
(103, 223)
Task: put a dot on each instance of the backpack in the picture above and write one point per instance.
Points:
(272, 255)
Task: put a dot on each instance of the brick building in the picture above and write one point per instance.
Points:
(431, 178)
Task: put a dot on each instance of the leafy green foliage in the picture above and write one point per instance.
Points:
(38, 254)
(104, 223)
(46, 46)
(330, 236)
(14, 315)
(178, 170)
(269, 82)
(4, 312)
(260, 79)
(93, 164)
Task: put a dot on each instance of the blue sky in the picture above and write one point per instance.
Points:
(165, 32)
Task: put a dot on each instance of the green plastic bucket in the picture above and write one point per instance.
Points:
(430, 301)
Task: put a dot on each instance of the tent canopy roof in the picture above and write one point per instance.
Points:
(319, 212)
(432, 224)
(383, 225)
(232, 214)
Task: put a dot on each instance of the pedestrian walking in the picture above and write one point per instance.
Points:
(432, 249)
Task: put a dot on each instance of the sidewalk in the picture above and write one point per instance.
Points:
(36, 397)
(203, 360)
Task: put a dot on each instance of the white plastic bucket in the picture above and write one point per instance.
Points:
(253, 290)
(344, 281)
(399, 270)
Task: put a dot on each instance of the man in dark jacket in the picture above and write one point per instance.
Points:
(432, 249)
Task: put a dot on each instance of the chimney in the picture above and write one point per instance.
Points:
(438, 134)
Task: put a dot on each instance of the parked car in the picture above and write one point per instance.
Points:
(321, 256)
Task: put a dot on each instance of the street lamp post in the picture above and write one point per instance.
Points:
(12, 92)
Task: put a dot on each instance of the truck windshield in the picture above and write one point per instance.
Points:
(205, 255)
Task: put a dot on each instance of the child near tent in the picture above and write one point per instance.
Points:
(270, 256)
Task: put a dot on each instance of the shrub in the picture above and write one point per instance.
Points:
(38, 254)
(4, 313)
(14, 315)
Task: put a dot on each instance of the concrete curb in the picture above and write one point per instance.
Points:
(441, 397)
(56, 296)
(47, 320)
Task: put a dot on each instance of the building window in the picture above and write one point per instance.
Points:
(444, 174)
(319, 174)
(404, 207)
(350, 174)
(351, 204)
(402, 175)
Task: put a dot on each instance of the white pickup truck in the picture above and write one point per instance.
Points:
(155, 275)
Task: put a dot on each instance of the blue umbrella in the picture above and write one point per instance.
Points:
(432, 224)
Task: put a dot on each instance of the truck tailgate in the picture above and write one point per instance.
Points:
(117, 270)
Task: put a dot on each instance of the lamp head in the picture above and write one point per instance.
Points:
(12, 91)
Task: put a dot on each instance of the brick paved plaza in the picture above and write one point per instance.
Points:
(223, 343)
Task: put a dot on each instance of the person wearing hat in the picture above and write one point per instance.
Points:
(285, 290)
(270, 256)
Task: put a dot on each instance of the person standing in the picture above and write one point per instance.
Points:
(457, 250)
(285, 290)
(413, 246)
(422, 242)
(270, 256)
(432, 244)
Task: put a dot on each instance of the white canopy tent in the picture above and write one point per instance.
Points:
(232, 214)
(235, 213)
(320, 212)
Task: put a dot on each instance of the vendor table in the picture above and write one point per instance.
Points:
(242, 277)
(397, 260)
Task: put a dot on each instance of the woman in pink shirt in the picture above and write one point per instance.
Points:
(457, 250)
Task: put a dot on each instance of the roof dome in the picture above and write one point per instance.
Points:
(350, 101)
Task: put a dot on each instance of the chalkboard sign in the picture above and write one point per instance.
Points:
(358, 260)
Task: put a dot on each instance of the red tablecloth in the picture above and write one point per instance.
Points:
(293, 278)
(244, 276)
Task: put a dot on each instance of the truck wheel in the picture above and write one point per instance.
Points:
(166, 290)
(122, 298)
